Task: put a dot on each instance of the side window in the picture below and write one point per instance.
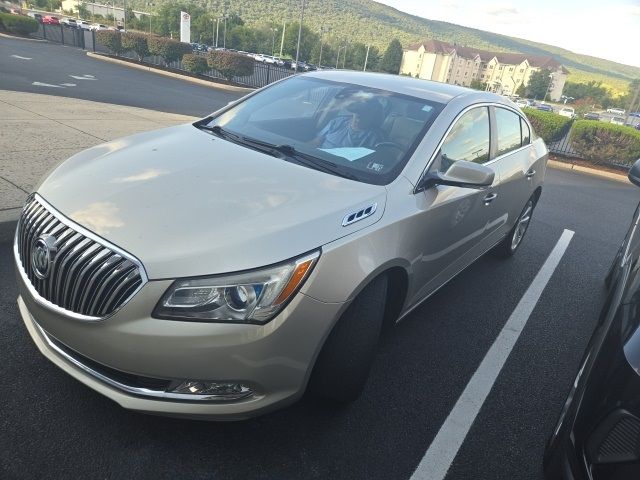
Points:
(526, 134)
(468, 140)
(509, 136)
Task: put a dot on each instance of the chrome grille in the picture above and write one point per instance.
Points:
(86, 276)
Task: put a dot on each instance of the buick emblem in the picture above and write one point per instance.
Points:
(42, 255)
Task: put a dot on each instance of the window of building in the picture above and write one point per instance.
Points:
(522, 70)
(500, 67)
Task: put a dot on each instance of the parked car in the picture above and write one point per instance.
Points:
(597, 436)
(84, 24)
(231, 301)
(567, 112)
(50, 20)
(616, 111)
(36, 16)
(98, 26)
(592, 116)
(544, 107)
(69, 22)
(522, 103)
(617, 120)
(634, 114)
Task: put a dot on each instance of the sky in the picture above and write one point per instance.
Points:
(606, 29)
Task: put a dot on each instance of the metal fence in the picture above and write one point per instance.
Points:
(263, 73)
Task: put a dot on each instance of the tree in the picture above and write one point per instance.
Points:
(230, 64)
(392, 57)
(194, 63)
(170, 50)
(539, 84)
(477, 84)
(521, 91)
(136, 42)
(308, 40)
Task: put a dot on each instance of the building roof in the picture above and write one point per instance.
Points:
(446, 48)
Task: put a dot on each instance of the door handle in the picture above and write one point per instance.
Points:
(530, 174)
(490, 198)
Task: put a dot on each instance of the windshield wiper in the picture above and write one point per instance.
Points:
(301, 158)
(219, 131)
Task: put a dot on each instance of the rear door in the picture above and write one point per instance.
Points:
(516, 161)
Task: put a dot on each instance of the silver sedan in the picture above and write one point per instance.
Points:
(221, 269)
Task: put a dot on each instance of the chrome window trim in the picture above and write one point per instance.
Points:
(425, 170)
(137, 391)
(43, 302)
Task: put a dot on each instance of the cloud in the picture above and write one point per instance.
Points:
(449, 4)
(501, 10)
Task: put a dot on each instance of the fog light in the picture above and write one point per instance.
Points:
(213, 390)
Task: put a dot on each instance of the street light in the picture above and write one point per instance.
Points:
(273, 40)
(338, 55)
(300, 31)
(224, 37)
(366, 57)
(322, 30)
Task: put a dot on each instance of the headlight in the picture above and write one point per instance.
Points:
(252, 297)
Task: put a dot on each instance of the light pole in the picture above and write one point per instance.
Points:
(366, 58)
(548, 87)
(300, 31)
(344, 55)
(273, 40)
(322, 30)
(224, 37)
(217, 25)
(124, 15)
(284, 26)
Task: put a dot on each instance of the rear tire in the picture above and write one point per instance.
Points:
(343, 366)
(510, 244)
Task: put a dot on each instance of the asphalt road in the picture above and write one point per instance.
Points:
(54, 427)
(54, 65)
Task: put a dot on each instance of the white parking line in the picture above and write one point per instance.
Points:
(444, 448)
(21, 58)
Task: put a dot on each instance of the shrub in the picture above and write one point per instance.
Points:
(170, 50)
(18, 24)
(551, 127)
(192, 62)
(136, 42)
(110, 39)
(230, 64)
(602, 142)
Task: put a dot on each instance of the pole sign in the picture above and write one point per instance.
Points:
(185, 27)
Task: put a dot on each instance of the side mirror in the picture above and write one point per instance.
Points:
(634, 173)
(463, 174)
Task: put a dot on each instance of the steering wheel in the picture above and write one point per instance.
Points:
(389, 144)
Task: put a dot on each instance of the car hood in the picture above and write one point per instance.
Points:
(187, 203)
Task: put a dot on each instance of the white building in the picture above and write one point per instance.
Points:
(502, 72)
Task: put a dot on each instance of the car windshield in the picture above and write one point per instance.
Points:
(358, 132)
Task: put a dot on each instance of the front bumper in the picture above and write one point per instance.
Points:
(273, 360)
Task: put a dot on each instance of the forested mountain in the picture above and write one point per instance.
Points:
(373, 23)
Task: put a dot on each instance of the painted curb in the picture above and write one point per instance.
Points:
(206, 83)
(591, 171)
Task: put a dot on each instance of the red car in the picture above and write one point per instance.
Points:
(50, 20)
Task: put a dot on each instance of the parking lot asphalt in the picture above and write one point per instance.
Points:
(42, 67)
(54, 427)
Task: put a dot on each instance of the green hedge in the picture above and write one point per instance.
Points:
(136, 42)
(170, 50)
(194, 63)
(551, 127)
(110, 39)
(230, 64)
(602, 142)
(18, 24)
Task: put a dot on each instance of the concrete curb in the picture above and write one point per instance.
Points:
(618, 177)
(186, 78)
(22, 38)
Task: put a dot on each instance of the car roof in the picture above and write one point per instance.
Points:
(425, 89)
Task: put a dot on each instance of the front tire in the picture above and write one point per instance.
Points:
(343, 366)
(510, 244)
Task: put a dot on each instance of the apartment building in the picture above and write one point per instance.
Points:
(502, 72)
